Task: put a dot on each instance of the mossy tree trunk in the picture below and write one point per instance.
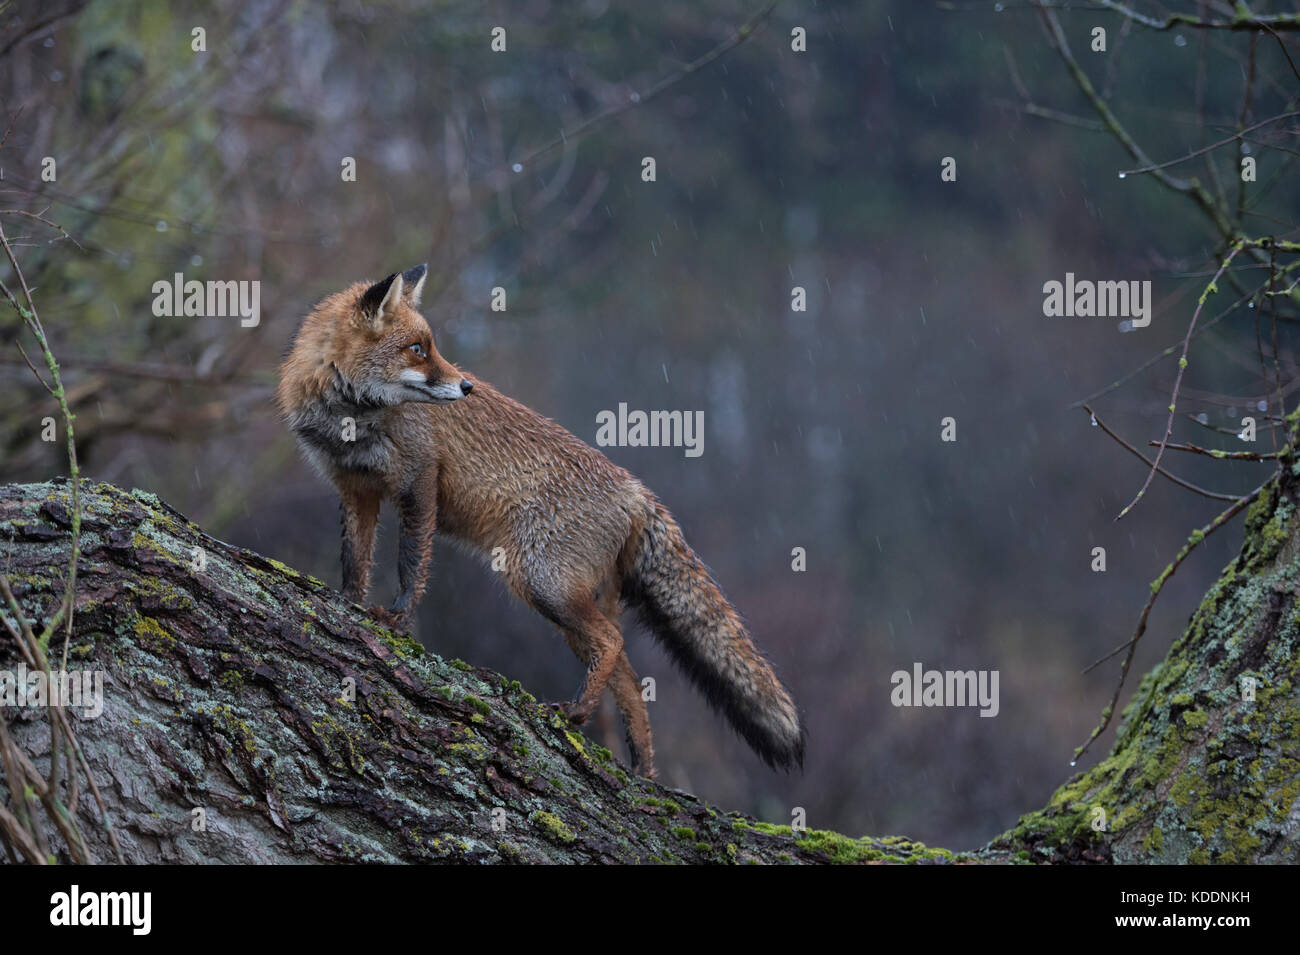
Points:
(1201, 772)
(260, 702)
(257, 701)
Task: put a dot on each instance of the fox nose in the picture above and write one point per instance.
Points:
(466, 386)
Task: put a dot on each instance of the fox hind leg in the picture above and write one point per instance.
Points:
(636, 719)
(622, 680)
(626, 687)
(595, 640)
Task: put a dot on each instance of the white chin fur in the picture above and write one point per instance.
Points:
(447, 392)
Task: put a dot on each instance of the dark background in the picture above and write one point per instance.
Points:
(822, 429)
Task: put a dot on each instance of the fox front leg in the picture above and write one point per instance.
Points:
(360, 514)
(417, 514)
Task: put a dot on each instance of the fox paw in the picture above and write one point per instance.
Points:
(576, 711)
(388, 618)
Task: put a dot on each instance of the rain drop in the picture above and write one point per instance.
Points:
(518, 167)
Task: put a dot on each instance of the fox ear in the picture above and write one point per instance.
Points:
(378, 301)
(413, 283)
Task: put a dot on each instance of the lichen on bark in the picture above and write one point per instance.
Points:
(1200, 772)
(299, 730)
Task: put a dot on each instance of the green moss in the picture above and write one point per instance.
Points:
(553, 827)
(685, 833)
(342, 748)
(231, 725)
(477, 752)
(404, 646)
(150, 631)
(283, 568)
(666, 804)
(575, 740)
(842, 850)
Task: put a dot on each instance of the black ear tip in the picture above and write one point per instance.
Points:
(415, 274)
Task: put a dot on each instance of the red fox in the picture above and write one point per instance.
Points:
(381, 414)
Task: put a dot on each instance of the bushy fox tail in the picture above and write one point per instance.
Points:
(680, 602)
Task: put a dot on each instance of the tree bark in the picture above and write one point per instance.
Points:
(252, 714)
(1201, 772)
(226, 701)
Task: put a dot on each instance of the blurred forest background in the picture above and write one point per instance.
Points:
(775, 169)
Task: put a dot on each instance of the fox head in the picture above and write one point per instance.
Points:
(393, 359)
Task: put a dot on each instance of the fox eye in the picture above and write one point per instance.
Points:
(416, 349)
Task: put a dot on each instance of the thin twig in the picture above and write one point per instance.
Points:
(1125, 173)
(1222, 455)
(1242, 20)
(1178, 381)
(1166, 352)
(1157, 585)
(1213, 495)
